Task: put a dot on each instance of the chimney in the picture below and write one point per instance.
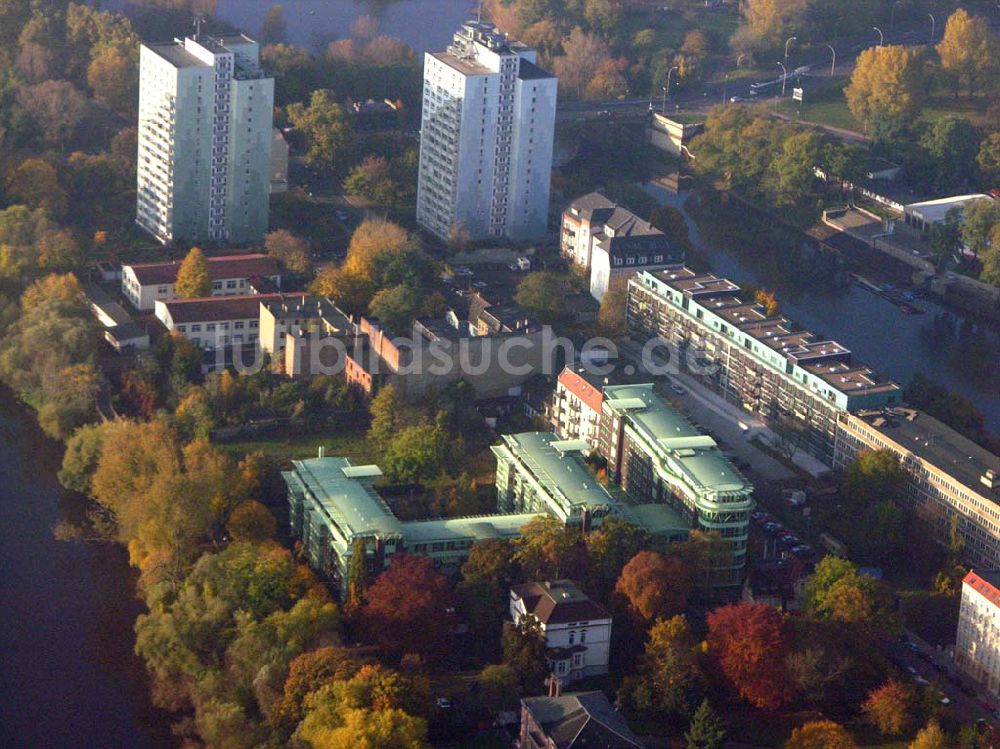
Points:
(555, 686)
(990, 479)
(322, 452)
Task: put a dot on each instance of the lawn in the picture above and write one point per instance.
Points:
(292, 446)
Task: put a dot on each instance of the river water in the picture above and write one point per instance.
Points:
(815, 290)
(68, 676)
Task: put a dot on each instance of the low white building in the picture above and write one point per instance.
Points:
(922, 216)
(144, 284)
(577, 630)
(212, 322)
(977, 643)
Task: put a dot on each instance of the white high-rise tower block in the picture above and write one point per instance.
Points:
(204, 162)
(486, 138)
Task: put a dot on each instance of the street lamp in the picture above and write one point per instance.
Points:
(784, 78)
(787, 42)
(881, 36)
(666, 89)
(725, 84)
(833, 63)
(933, 24)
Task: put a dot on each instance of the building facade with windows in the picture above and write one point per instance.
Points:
(951, 481)
(575, 410)
(977, 641)
(145, 283)
(577, 630)
(205, 135)
(486, 138)
(333, 506)
(657, 456)
(760, 362)
(537, 472)
(214, 322)
(613, 243)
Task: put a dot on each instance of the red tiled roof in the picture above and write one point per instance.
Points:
(592, 396)
(219, 267)
(986, 584)
(217, 308)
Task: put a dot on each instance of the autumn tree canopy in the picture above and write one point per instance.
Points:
(193, 278)
(655, 585)
(750, 641)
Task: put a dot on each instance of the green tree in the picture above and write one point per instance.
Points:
(611, 314)
(670, 666)
(396, 308)
(980, 219)
(988, 158)
(193, 277)
(357, 575)
(548, 550)
(951, 145)
(946, 238)
(887, 87)
(542, 294)
(416, 454)
(326, 128)
(872, 476)
(707, 730)
(524, 651)
(83, 450)
(289, 250)
(793, 167)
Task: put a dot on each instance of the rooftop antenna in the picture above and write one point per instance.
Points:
(479, 12)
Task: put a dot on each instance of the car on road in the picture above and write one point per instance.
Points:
(340, 215)
(737, 99)
(987, 706)
(912, 670)
(679, 389)
(944, 701)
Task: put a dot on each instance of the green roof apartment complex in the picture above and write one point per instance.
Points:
(333, 503)
(659, 458)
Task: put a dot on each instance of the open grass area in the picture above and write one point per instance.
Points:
(296, 446)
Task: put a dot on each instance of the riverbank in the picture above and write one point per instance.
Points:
(69, 677)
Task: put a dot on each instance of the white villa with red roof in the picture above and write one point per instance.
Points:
(577, 630)
(144, 284)
(977, 643)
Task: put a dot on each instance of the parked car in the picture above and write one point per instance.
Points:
(987, 706)
(677, 388)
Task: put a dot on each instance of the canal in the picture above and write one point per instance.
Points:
(68, 675)
(816, 290)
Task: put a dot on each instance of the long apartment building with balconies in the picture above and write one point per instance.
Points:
(205, 135)
(486, 138)
(763, 363)
(657, 456)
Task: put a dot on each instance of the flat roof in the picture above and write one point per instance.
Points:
(561, 472)
(351, 503)
(937, 210)
(476, 527)
(464, 65)
(176, 55)
(938, 444)
(826, 359)
(696, 455)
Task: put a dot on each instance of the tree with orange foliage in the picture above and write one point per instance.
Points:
(769, 301)
(820, 734)
(750, 642)
(888, 708)
(407, 608)
(655, 586)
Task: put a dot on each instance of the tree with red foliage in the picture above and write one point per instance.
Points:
(750, 642)
(407, 608)
(655, 585)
